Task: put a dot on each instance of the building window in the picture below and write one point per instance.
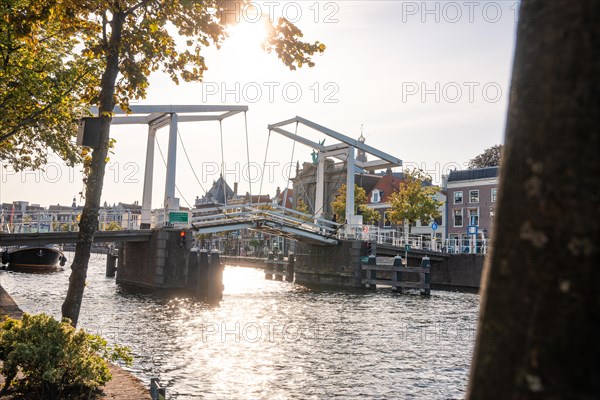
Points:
(474, 216)
(458, 218)
(473, 196)
(387, 223)
(458, 198)
(494, 194)
(439, 221)
(375, 197)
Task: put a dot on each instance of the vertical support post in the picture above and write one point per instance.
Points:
(111, 262)
(170, 201)
(157, 392)
(350, 189)
(269, 266)
(192, 270)
(320, 185)
(201, 284)
(372, 274)
(215, 277)
(279, 267)
(148, 176)
(426, 276)
(397, 274)
(290, 267)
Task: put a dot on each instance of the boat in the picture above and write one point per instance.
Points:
(34, 258)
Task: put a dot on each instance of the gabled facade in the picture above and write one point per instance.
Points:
(219, 194)
(286, 195)
(305, 182)
(472, 198)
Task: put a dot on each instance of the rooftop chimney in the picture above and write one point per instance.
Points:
(277, 192)
(235, 188)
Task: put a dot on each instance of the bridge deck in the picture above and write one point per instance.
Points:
(269, 218)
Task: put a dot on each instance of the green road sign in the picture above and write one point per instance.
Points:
(407, 247)
(178, 216)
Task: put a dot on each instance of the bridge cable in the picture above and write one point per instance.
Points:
(232, 218)
(165, 162)
(214, 202)
(189, 161)
(264, 164)
(248, 156)
(287, 185)
(223, 163)
(336, 184)
(312, 207)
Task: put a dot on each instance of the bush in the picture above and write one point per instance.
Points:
(55, 359)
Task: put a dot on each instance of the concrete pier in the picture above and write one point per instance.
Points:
(165, 262)
(330, 265)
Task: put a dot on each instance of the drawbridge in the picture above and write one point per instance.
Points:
(268, 218)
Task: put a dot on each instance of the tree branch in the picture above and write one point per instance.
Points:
(104, 23)
(131, 9)
(35, 114)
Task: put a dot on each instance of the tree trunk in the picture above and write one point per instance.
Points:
(95, 180)
(540, 313)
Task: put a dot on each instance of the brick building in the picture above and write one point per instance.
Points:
(472, 196)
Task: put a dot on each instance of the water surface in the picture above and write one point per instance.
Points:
(269, 339)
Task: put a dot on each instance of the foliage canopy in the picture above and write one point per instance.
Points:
(370, 216)
(414, 200)
(58, 57)
(491, 157)
(57, 360)
(41, 79)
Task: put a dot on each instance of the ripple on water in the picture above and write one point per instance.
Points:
(271, 339)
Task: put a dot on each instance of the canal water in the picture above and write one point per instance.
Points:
(269, 339)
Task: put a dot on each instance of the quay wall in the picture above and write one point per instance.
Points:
(459, 271)
(341, 266)
(330, 265)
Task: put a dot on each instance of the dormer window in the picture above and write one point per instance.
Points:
(375, 196)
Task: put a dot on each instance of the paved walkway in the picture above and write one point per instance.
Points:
(123, 386)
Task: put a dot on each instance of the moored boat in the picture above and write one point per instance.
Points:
(34, 258)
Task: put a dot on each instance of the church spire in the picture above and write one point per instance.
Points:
(361, 156)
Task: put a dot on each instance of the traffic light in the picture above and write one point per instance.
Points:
(182, 237)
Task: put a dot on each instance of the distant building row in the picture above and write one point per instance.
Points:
(468, 199)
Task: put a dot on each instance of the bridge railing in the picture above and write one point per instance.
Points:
(385, 236)
(263, 212)
(64, 221)
(467, 246)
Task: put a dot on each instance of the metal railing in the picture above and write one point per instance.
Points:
(424, 242)
(383, 236)
(157, 392)
(42, 222)
(467, 246)
(263, 213)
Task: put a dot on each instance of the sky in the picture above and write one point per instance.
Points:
(428, 82)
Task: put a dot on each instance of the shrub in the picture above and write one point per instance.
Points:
(55, 359)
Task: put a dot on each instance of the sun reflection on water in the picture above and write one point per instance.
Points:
(269, 339)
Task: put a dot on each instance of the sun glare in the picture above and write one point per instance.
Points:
(246, 37)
